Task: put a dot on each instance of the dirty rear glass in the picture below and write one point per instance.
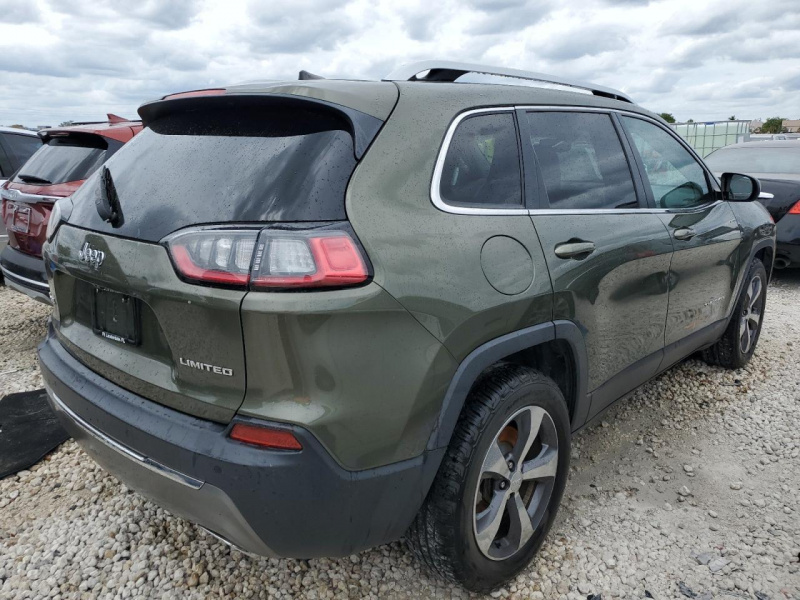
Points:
(62, 159)
(226, 166)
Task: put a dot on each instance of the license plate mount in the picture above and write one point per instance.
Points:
(20, 218)
(116, 316)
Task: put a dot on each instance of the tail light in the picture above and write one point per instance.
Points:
(269, 258)
(795, 210)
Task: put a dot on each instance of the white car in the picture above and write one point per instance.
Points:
(16, 147)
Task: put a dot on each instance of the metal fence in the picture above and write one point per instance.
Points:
(707, 137)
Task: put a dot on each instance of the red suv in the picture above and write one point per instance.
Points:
(69, 155)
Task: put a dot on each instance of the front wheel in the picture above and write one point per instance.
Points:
(501, 481)
(736, 346)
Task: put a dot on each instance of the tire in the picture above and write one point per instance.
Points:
(500, 413)
(731, 351)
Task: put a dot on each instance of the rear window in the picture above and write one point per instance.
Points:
(62, 159)
(222, 166)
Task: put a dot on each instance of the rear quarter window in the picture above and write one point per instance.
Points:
(482, 164)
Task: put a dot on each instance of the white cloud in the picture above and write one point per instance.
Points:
(78, 59)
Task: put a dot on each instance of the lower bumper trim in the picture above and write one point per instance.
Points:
(143, 461)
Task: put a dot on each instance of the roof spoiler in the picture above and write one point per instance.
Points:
(362, 127)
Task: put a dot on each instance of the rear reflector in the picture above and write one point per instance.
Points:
(268, 259)
(795, 210)
(266, 437)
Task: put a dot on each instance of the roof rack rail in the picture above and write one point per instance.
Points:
(447, 70)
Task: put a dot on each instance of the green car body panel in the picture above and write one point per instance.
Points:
(371, 378)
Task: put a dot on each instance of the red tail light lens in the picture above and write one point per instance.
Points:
(270, 259)
(266, 437)
(795, 210)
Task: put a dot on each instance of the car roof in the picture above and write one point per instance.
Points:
(765, 144)
(17, 130)
(377, 98)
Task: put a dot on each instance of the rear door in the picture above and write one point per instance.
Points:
(607, 254)
(704, 231)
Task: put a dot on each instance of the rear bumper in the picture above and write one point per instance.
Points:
(25, 274)
(788, 241)
(272, 503)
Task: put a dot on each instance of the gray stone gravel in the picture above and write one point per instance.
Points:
(694, 479)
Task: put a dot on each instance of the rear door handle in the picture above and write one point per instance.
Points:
(574, 249)
(684, 233)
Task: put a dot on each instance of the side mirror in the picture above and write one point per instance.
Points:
(740, 188)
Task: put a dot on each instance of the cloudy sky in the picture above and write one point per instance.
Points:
(700, 59)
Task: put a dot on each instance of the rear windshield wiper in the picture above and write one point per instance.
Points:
(33, 179)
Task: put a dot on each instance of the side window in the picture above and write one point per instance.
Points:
(582, 161)
(676, 178)
(482, 165)
(5, 164)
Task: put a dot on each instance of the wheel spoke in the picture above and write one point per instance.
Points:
(520, 527)
(744, 332)
(754, 293)
(543, 466)
(754, 318)
(528, 428)
(495, 463)
(488, 521)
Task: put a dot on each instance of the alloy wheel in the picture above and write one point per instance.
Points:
(516, 482)
(751, 314)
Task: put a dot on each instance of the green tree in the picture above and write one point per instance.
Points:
(667, 117)
(732, 118)
(65, 123)
(690, 121)
(18, 126)
(772, 125)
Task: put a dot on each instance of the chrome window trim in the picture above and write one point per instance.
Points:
(437, 201)
(113, 444)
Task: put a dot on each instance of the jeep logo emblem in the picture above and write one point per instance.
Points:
(94, 258)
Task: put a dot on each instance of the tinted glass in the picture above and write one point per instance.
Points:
(581, 160)
(64, 159)
(482, 163)
(676, 178)
(19, 148)
(5, 164)
(223, 166)
(755, 160)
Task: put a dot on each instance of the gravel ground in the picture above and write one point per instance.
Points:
(692, 482)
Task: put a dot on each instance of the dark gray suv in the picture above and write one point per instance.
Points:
(316, 316)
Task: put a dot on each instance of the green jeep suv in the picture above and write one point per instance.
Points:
(317, 316)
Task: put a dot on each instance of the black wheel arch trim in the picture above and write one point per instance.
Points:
(499, 348)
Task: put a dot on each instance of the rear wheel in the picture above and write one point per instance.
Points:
(736, 346)
(500, 484)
